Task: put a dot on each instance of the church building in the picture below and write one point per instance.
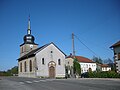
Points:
(45, 61)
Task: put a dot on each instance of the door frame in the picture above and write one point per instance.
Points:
(52, 64)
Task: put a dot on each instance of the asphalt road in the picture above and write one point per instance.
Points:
(18, 83)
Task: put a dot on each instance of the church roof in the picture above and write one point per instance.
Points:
(33, 52)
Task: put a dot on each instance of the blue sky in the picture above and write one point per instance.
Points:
(95, 22)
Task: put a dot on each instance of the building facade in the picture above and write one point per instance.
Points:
(45, 61)
(85, 63)
(116, 50)
(105, 67)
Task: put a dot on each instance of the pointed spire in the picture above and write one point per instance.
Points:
(29, 31)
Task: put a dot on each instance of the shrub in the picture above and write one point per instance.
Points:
(108, 74)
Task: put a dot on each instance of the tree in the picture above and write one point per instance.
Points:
(97, 60)
(10, 72)
(76, 67)
(14, 70)
(108, 61)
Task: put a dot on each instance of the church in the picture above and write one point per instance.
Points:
(45, 61)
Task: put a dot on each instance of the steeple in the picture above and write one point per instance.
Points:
(29, 39)
(29, 43)
(29, 30)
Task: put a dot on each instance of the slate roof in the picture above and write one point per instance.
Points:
(33, 52)
(82, 59)
(116, 44)
(29, 43)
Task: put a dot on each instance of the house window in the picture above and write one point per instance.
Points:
(118, 56)
(106, 68)
(25, 68)
(59, 62)
(68, 62)
(30, 65)
(43, 61)
(21, 67)
(86, 66)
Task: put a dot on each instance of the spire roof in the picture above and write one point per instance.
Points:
(29, 38)
(29, 22)
(29, 30)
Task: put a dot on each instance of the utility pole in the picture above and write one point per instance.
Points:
(73, 46)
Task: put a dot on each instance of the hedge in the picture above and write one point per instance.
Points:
(108, 74)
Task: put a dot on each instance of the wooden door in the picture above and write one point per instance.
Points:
(51, 72)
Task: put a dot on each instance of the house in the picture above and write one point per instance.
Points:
(116, 50)
(85, 63)
(45, 61)
(105, 67)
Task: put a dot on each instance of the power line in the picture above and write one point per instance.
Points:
(85, 45)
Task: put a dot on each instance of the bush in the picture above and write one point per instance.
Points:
(108, 74)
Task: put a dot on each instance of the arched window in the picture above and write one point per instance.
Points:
(21, 67)
(59, 62)
(30, 67)
(21, 49)
(25, 67)
(43, 61)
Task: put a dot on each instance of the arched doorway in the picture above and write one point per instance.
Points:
(51, 72)
(51, 66)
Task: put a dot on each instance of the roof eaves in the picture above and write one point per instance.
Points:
(41, 48)
(115, 45)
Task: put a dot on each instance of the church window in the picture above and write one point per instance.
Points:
(21, 49)
(51, 51)
(43, 61)
(59, 62)
(25, 67)
(21, 67)
(30, 65)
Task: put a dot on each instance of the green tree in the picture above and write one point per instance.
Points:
(14, 70)
(10, 72)
(76, 67)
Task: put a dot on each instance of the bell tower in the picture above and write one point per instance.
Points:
(29, 43)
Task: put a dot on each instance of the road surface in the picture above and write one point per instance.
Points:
(19, 83)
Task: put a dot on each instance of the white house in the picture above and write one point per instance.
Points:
(45, 61)
(85, 63)
(105, 67)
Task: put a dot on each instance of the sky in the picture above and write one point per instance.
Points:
(95, 22)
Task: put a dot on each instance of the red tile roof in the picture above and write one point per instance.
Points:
(116, 44)
(82, 59)
(104, 65)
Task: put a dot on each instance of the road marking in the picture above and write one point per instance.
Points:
(28, 81)
(36, 81)
(21, 82)
(43, 80)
